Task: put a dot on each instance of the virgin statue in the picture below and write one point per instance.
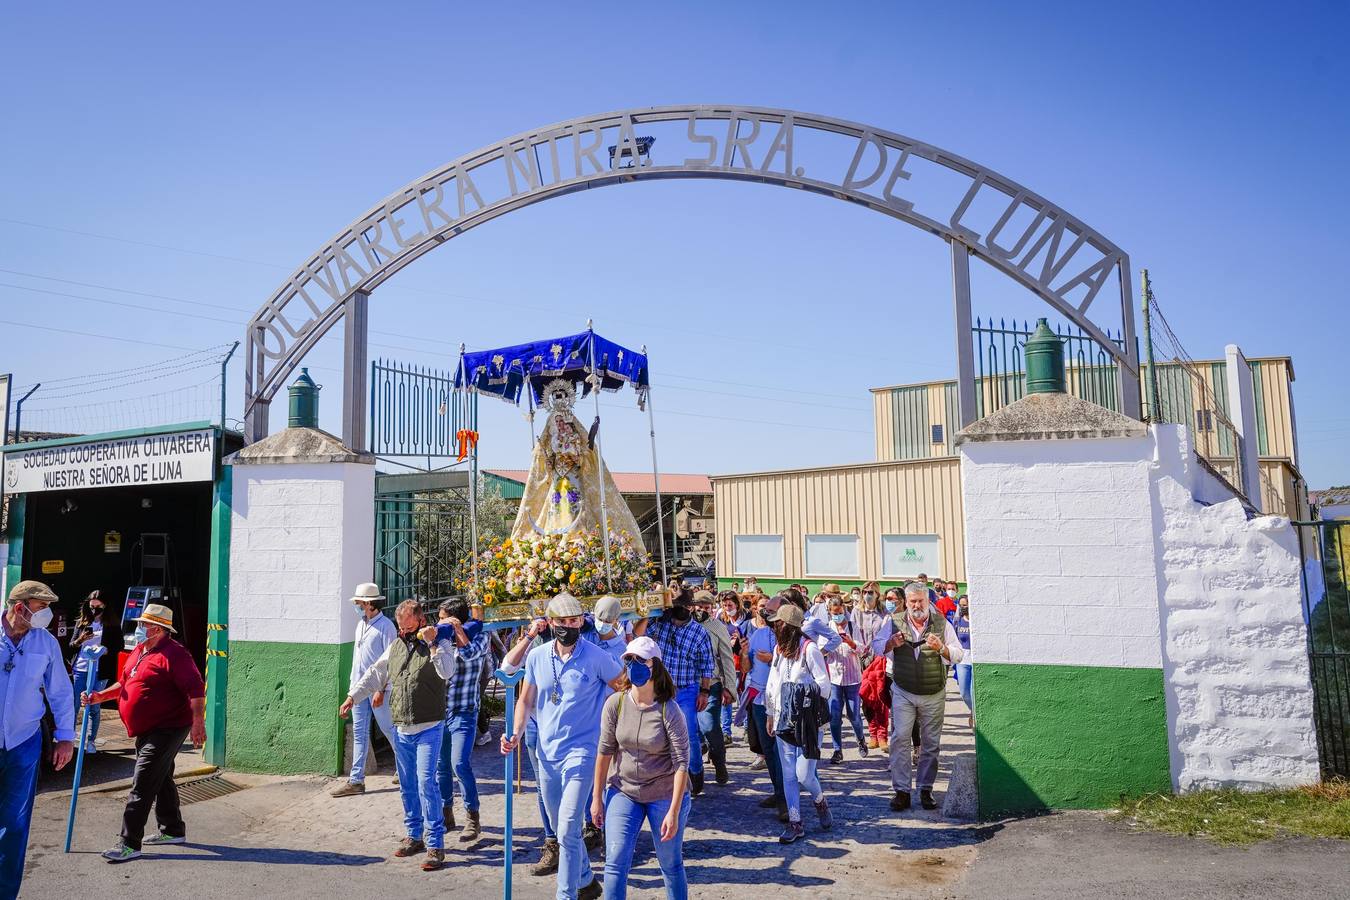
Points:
(562, 492)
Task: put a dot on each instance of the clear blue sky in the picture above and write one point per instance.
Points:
(1208, 140)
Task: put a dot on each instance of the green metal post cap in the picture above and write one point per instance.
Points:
(304, 402)
(1045, 361)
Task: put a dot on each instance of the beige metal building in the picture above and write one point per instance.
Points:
(901, 515)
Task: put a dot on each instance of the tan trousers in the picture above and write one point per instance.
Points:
(928, 710)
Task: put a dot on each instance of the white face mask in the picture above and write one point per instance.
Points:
(40, 619)
(604, 627)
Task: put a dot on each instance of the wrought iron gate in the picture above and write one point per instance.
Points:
(1325, 551)
(421, 536)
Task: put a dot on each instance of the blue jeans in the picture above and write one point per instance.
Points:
(532, 754)
(708, 726)
(18, 786)
(846, 696)
(362, 713)
(799, 774)
(623, 823)
(964, 682)
(461, 726)
(686, 698)
(726, 722)
(767, 743)
(94, 710)
(566, 790)
(416, 756)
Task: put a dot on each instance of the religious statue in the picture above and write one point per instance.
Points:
(562, 492)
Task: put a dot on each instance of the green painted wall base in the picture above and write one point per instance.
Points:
(1067, 737)
(281, 709)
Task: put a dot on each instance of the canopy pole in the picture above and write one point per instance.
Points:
(656, 475)
(467, 414)
(599, 468)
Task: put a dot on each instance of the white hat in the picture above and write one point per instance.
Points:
(608, 609)
(368, 593)
(564, 606)
(644, 648)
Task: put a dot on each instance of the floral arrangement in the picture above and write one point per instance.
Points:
(549, 564)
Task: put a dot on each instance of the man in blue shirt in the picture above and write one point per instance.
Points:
(566, 683)
(30, 663)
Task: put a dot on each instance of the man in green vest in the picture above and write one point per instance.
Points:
(921, 644)
(416, 667)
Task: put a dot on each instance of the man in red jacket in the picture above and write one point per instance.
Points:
(162, 701)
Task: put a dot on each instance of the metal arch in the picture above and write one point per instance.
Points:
(1047, 257)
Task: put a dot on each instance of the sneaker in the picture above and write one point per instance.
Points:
(727, 738)
(435, 860)
(162, 839)
(349, 789)
(591, 891)
(695, 783)
(409, 847)
(862, 751)
(484, 739)
(89, 748)
(823, 811)
(791, 833)
(926, 798)
(837, 757)
(120, 854)
(901, 801)
(548, 859)
(759, 765)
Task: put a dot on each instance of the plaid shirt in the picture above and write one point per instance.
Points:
(462, 689)
(686, 651)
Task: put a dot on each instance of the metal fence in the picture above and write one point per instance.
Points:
(419, 542)
(1090, 369)
(415, 411)
(1325, 550)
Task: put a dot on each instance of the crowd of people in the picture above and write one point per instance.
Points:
(616, 717)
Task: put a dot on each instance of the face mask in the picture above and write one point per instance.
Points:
(890, 606)
(567, 635)
(639, 673)
(838, 617)
(700, 616)
(869, 597)
(40, 619)
(604, 627)
(951, 593)
(139, 637)
(680, 613)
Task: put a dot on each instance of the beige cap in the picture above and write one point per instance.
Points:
(608, 609)
(789, 614)
(32, 590)
(564, 606)
(831, 588)
(704, 597)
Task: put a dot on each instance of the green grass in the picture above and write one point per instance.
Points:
(1244, 817)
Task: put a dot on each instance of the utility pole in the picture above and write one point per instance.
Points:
(1146, 288)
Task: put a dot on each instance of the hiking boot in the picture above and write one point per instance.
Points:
(435, 860)
(548, 859)
(926, 798)
(448, 814)
(162, 839)
(759, 765)
(121, 853)
(592, 837)
(793, 832)
(900, 802)
(472, 830)
(721, 772)
(872, 743)
(769, 802)
(409, 847)
(823, 812)
(591, 891)
(837, 757)
(349, 789)
(695, 783)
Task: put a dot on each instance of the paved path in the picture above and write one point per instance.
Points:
(285, 837)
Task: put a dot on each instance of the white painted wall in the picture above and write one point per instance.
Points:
(302, 538)
(1239, 698)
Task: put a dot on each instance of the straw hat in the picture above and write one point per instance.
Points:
(368, 592)
(158, 614)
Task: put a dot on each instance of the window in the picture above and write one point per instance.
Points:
(906, 555)
(757, 554)
(832, 555)
(1204, 420)
(937, 434)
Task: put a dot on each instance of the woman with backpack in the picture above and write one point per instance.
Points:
(795, 698)
(644, 738)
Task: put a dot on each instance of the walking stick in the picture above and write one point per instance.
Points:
(510, 681)
(91, 655)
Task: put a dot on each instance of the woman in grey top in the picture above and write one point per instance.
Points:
(644, 738)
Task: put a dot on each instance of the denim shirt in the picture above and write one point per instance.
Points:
(38, 666)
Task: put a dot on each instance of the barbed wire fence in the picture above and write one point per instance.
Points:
(1180, 391)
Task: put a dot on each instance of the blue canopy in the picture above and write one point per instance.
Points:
(504, 371)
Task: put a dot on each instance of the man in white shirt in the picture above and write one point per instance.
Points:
(30, 663)
(416, 667)
(374, 634)
(920, 644)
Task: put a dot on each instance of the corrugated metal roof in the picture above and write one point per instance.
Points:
(1332, 496)
(635, 482)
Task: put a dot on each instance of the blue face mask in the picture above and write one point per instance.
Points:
(639, 673)
(605, 628)
(838, 617)
(890, 606)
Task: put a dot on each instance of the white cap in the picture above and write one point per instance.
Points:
(644, 648)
